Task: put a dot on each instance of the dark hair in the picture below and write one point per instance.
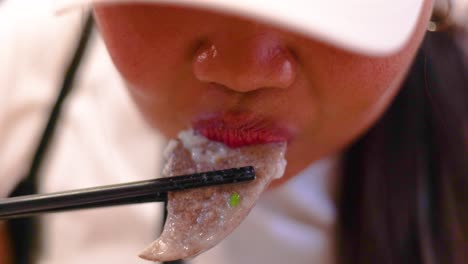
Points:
(404, 191)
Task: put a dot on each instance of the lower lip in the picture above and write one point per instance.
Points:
(240, 130)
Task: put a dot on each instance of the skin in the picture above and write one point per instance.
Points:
(324, 95)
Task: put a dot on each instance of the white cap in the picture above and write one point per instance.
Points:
(372, 27)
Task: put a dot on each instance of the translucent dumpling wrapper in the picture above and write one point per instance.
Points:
(199, 219)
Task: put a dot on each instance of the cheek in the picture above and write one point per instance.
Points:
(364, 89)
(144, 53)
(347, 93)
(366, 85)
(353, 83)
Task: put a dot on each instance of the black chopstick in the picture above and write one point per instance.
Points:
(156, 197)
(118, 194)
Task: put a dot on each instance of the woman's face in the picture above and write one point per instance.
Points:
(243, 82)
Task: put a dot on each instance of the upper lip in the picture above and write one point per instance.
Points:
(237, 129)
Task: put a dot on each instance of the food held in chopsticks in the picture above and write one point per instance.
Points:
(199, 219)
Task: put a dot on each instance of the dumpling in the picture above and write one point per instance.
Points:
(199, 219)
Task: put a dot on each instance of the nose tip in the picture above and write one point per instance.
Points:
(245, 65)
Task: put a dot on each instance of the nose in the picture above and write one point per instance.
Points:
(245, 61)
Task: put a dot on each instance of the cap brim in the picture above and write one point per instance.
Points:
(371, 27)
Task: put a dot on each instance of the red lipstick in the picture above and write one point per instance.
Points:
(240, 129)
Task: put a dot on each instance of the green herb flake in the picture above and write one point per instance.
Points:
(234, 199)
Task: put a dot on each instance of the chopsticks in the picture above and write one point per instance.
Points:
(154, 190)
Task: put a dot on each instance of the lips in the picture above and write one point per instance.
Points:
(240, 129)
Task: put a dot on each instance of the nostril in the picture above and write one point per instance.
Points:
(203, 64)
(207, 51)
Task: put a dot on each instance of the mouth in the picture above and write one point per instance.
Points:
(240, 129)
